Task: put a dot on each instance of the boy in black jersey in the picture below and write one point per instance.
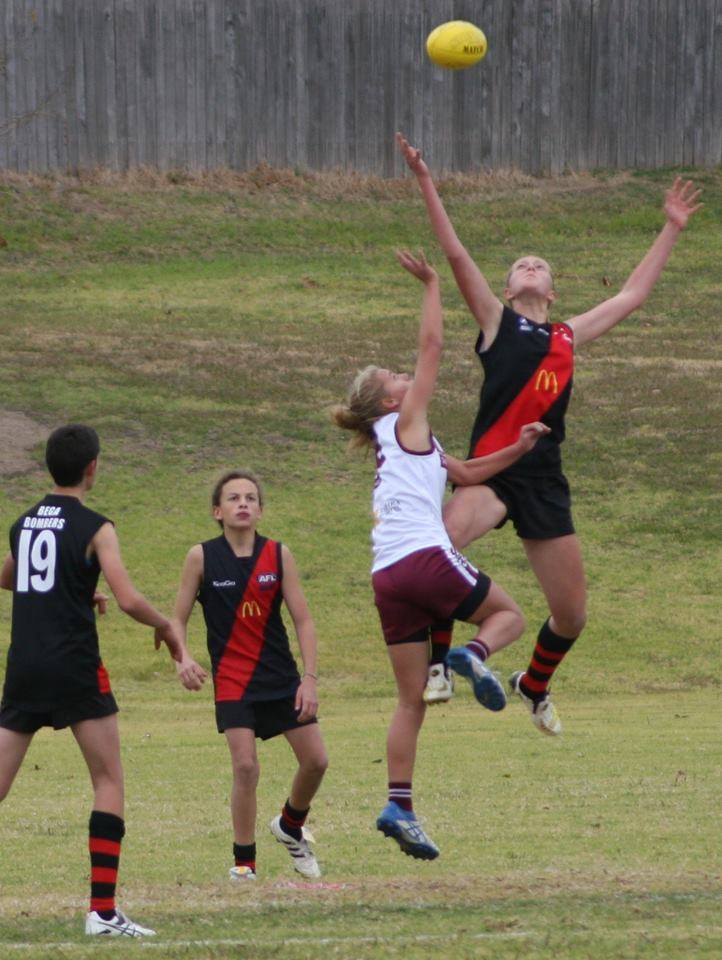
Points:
(528, 365)
(241, 579)
(55, 676)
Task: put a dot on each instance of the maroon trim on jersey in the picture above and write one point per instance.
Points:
(249, 629)
(415, 453)
(103, 680)
(545, 386)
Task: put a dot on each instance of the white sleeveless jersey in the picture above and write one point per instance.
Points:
(407, 498)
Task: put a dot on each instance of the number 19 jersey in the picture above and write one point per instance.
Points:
(53, 655)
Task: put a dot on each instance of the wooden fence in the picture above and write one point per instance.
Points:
(314, 84)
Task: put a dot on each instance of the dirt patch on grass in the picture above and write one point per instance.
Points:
(18, 435)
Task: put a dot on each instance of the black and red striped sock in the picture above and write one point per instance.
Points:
(440, 634)
(245, 855)
(292, 820)
(549, 652)
(478, 647)
(400, 794)
(106, 830)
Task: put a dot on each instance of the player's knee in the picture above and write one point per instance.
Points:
(246, 771)
(456, 527)
(316, 764)
(413, 705)
(518, 620)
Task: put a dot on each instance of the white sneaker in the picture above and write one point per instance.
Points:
(544, 714)
(304, 862)
(241, 874)
(119, 926)
(439, 686)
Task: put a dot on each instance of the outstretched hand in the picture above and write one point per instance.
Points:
(412, 156)
(417, 265)
(530, 433)
(680, 202)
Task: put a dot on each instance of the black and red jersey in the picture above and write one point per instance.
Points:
(527, 376)
(53, 655)
(247, 640)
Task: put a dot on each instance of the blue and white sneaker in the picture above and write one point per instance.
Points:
(487, 688)
(406, 830)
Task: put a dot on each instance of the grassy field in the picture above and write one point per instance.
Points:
(210, 322)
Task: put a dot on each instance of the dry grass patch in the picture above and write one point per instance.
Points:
(19, 434)
(309, 185)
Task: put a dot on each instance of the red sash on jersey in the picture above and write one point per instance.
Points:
(545, 386)
(243, 650)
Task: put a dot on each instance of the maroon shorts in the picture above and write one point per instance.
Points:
(426, 586)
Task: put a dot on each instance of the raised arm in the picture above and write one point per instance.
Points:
(191, 674)
(131, 601)
(413, 425)
(680, 204)
(484, 305)
(293, 596)
(466, 473)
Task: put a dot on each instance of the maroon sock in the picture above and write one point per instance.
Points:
(400, 794)
(479, 648)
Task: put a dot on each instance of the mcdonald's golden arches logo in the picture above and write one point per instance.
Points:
(250, 608)
(547, 380)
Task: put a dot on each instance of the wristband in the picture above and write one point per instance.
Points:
(308, 674)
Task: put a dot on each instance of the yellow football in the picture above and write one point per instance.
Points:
(456, 45)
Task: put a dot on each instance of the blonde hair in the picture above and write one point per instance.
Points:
(363, 407)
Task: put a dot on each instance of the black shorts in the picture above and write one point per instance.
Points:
(93, 707)
(267, 718)
(539, 507)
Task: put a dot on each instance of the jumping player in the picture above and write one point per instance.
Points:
(241, 579)
(418, 578)
(55, 677)
(528, 364)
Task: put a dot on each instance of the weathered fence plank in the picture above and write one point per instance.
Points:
(566, 84)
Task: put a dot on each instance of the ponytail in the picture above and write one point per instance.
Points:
(363, 407)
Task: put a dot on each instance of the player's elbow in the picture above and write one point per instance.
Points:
(632, 299)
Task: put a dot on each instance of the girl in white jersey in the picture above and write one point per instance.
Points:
(418, 577)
